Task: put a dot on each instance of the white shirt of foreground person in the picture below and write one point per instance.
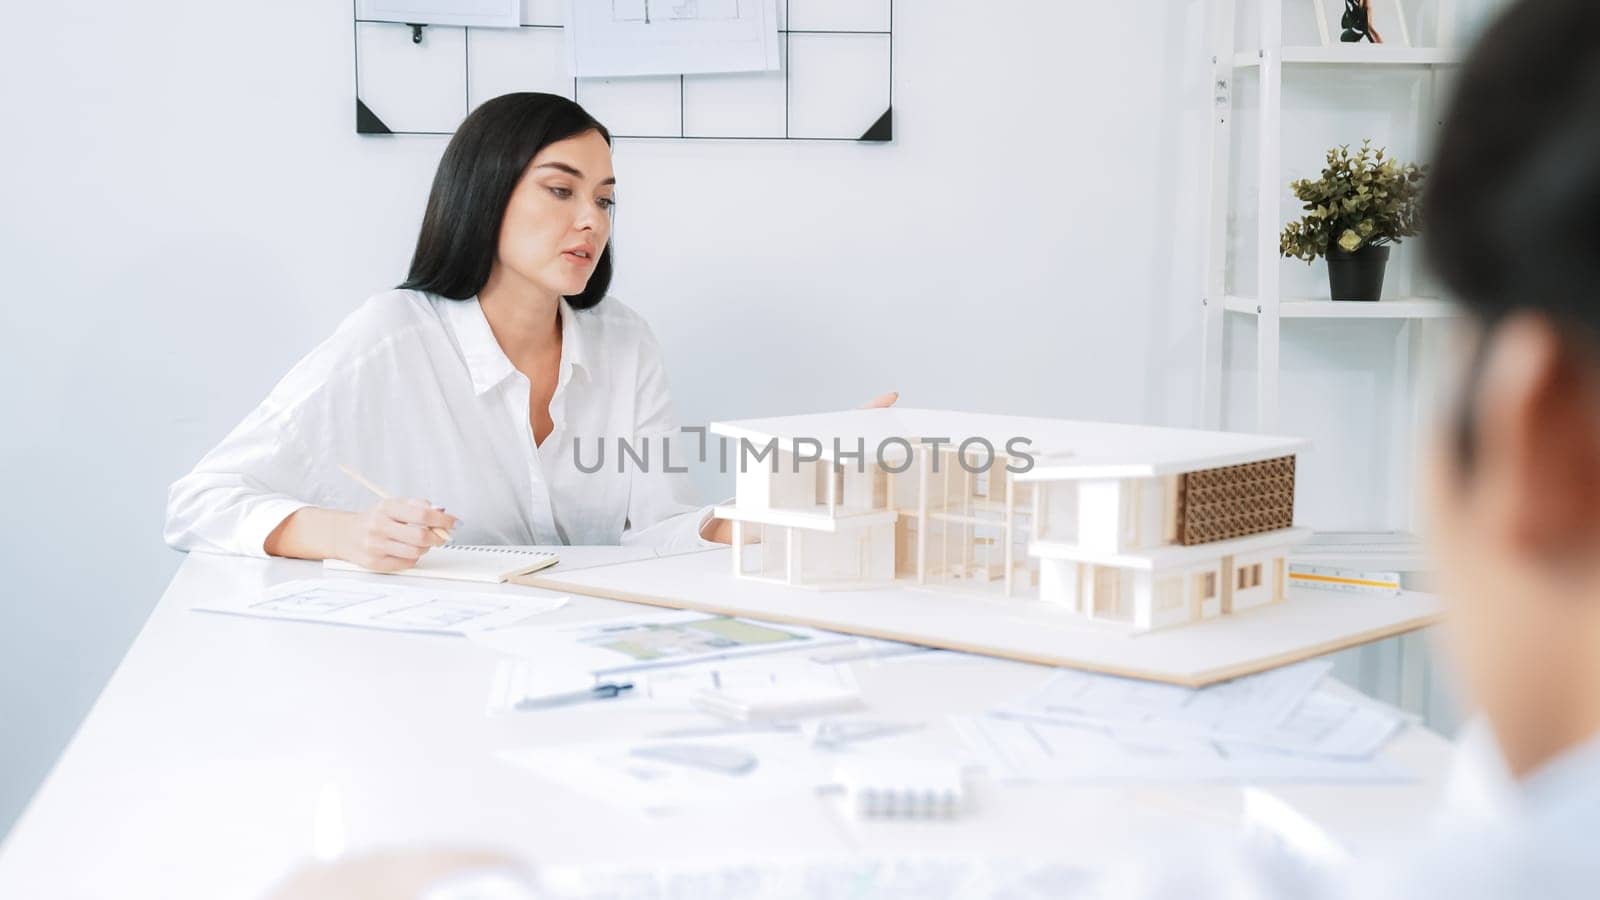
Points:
(1533, 838)
(1493, 838)
(414, 392)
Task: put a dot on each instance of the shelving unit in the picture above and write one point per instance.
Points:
(1314, 308)
(1367, 551)
(1268, 63)
(1355, 55)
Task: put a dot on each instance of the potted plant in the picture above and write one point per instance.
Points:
(1363, 202)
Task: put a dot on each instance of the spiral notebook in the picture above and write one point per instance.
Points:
(490, 565)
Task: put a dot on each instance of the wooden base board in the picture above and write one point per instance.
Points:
(1308, 623)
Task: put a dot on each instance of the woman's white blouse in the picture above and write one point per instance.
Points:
(414, 392)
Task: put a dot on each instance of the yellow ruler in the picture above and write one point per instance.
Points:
(1327, 578)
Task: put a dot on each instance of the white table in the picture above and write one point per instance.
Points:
(227, 750)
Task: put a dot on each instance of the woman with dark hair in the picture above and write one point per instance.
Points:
(475, 383)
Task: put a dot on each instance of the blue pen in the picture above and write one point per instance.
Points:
(598, 692)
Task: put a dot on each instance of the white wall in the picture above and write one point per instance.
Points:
(185, 209)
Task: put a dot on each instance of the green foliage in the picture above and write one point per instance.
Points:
(1362, 199)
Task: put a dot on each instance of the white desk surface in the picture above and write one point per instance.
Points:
(201, 769)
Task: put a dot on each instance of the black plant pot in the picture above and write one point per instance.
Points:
(1358, 275)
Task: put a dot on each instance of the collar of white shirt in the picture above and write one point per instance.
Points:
(1481, 792)
(1571, 779)
(488, 363)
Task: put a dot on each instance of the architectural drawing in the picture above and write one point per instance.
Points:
(1134, 526)
(388, 606)
(318, 600)
(703, 10)
(648, 11)
(673, 640)
(630, 10)
(440, 612)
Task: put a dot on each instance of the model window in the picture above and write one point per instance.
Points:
(1169, 595)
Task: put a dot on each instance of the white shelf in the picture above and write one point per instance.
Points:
(1310, 308)
(1365, 551)
(1356, 55)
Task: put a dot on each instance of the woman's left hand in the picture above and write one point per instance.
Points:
(721, 530)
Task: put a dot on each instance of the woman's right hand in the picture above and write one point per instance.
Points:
(393, 535)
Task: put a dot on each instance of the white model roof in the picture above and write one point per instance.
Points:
(1062, 449)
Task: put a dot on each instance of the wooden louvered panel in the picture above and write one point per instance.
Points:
(1233, 501)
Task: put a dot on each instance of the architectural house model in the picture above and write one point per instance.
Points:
(1139, 526)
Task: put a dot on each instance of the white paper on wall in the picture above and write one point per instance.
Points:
(612, 38)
